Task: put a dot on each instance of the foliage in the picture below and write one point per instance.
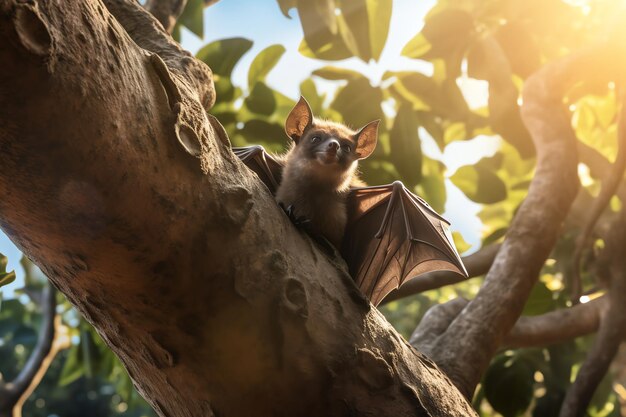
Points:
(86, 379)
(500, 42)
(6, 277)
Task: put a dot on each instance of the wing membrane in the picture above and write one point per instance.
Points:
(393, 236)
(267, 168)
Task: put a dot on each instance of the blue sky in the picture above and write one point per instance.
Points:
(263, 23)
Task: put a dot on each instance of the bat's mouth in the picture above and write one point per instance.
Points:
(327, 158)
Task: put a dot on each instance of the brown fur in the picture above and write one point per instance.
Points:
(316, 189)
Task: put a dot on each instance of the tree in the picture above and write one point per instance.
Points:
(210, 297)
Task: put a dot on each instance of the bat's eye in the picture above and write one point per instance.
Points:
(315, 139)
(346, 148)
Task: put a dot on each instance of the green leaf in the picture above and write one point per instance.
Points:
(460, 243)
(334, 50)
(443, 35)
(364, 26)
(495, 236)
(308, 90)
(222, 55)
(226, 118)
(505, 120)
(319, 22)
(406, 149)
(24, 335)
(379, 17)
(335, 73)
(432, 186)
(260, 131)
(479, 184)
(6, 278)
(377, 171)
(477, 62)
(428, 121)
(448, 31)
(11, 308)
(359, 102)
(454, 132)
(72, 368)
(417, 47)
(261, 99)
(3, 263)
(508, 385)
(264, 62)
(443, 99)
(193, 18)
(224, 90)
(286, 5)
(353, 27)
(540, 301)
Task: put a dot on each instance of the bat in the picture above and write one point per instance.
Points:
(391, 236)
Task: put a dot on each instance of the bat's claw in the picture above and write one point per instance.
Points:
(304, 223)
(298, 221)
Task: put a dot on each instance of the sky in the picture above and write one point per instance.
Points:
(262, 22)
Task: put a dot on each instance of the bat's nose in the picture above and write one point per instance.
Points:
(333, 145)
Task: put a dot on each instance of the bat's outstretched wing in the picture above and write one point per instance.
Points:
(392, 236)
(267, 168)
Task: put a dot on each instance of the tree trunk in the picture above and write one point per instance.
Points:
(119, 186)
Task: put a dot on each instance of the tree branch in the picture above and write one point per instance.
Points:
(435, 322)
(557, 326)
(168, 245)
(612, 327)
(599, 166)
(166, 11)
(14, 394)
(466, 347)
(546, 329)
(145, 30)
(476, 264)
(610, 186)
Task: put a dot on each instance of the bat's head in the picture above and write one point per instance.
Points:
(331, 145)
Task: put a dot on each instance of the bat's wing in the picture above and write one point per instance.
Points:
(393, 236)
(267, 168)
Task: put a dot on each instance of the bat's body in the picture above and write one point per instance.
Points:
(320, 170)
(386, 234)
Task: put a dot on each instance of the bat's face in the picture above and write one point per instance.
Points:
(330, 145)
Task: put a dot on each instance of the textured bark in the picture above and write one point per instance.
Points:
(166, 11)
(557, 326)
(612, 329)
(543, 330)
(610, 185)
(120, 187)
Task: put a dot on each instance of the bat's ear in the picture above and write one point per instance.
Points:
(366, 139)
(299, 120)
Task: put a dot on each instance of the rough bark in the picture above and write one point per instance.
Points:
(557, 326)
(612, 326)
(610, 185)
(543, 330)
(166, 11)
(120, 187)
